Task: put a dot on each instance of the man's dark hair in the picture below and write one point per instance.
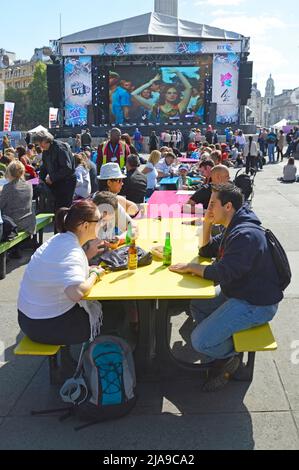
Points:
(133, 161)
(206, 163)
(107, 198)
(229, 193)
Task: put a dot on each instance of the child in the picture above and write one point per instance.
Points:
(184, 182)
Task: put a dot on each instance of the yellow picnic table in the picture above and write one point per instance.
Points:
(154, 286)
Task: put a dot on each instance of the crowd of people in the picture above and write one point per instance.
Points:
(97, 195)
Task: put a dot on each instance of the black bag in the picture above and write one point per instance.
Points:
(10, 229)
(279, 257)
(280, 260)
(117, 260)
(244, 183)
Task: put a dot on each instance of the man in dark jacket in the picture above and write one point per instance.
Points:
(86, 139)
(134, 187)
(58, 169)
(249, 291)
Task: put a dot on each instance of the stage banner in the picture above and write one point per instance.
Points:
(150, 48)
(78, 90)
(225, 87)
(8, 116)
(53, 118)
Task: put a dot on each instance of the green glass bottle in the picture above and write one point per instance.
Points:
(167, 252)
(129, 235)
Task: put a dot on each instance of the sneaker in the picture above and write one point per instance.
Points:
(223, 376)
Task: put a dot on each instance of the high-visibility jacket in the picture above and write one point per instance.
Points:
(122, 158)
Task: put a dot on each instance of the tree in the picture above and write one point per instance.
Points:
(38, 107)
(20, 119)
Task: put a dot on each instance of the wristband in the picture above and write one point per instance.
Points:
(93, 271)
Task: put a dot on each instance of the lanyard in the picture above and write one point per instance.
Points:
(114, 151)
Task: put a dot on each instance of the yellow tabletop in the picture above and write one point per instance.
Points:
(156, 281)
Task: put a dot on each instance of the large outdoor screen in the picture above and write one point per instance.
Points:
(140, 94)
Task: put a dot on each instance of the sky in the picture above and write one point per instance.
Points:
(271, 25)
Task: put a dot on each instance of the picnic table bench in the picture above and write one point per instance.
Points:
(42, 220)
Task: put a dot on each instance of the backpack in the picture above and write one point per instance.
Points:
(279, 257)
(103, 386)
(244, 183)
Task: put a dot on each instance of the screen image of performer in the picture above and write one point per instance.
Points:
(172, 102)
(120, 98)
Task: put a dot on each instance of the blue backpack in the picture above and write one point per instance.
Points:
(103, 386)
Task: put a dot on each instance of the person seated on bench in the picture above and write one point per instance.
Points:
(289, 172)
(249, 291)
(16, 201)
(56, 280)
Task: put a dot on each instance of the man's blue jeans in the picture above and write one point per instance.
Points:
(219, 318)
(271, 149)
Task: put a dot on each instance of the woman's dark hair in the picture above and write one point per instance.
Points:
(68, 220)
(229, 193)
(103, 185)
(291, 161)
(31, 147)
(127, 139)
(21, 151)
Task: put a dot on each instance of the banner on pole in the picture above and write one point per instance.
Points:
(53, 118)
(8, 116)
(2, 92)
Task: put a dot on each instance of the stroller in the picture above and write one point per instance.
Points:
(246, 184)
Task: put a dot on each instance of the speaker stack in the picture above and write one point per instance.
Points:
(55, 84)
(245, 82)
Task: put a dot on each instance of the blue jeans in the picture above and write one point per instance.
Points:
(271, 148)
(219, 318)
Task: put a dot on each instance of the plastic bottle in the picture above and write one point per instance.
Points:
(167, 252)
(132, 257)
(129, 234)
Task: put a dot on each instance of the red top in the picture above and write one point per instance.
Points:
(113, 153)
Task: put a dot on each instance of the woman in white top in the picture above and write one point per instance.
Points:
(57, 278)
(151, 172)
(83, 185)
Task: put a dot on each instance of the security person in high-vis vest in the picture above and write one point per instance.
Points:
(113, 151)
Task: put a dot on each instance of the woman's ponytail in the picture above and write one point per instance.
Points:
(60, 219)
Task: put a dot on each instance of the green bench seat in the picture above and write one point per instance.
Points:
(42, 220)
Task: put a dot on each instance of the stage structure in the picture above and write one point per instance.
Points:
(154, 70)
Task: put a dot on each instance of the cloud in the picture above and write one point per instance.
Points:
(254, 26)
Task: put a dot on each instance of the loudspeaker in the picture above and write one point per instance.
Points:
(90, 116)
(212, 114)
(244, 91)
(55, 84)
(245, 70)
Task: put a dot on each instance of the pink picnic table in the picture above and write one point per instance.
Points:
(188, 160)
(33, 181)
(169, 205)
